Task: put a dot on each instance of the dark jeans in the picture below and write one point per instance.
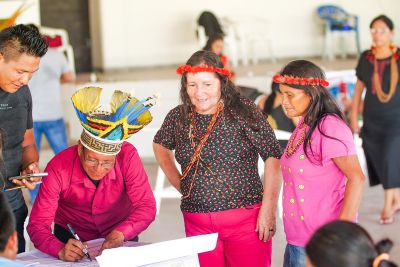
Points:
(63, 234)
(20, 216)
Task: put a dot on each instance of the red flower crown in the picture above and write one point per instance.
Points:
(278, 78)
(203, 68)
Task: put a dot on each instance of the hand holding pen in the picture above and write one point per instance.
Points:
(74, 249)
(77, 238)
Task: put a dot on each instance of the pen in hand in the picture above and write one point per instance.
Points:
(85, 251)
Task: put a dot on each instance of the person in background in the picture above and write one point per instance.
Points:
(218, 136)
(21, 48)
(346, 244)
(98, 186)
(323, 180)
(45, 87)
(378, 71)
(215, 43)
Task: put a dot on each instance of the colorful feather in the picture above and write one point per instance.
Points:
(128, 115)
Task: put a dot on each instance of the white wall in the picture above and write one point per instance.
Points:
(135, 33)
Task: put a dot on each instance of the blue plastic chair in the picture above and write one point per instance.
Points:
(337, 19)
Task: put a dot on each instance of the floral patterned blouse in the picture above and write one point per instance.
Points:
(227, 175)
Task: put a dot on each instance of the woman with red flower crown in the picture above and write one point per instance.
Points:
(378, 72)
(218, 137)
(323, 180)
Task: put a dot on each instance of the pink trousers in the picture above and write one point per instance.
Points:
(237, 245)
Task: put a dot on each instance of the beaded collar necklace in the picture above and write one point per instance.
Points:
(394, 74)
(195, 160)
(292, 148)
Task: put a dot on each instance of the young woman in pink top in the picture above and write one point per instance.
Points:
(323, 180)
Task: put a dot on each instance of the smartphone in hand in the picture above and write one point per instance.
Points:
(27, 176)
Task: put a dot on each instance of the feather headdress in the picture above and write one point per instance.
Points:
(104, 131)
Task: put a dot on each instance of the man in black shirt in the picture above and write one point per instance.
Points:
(21, 48)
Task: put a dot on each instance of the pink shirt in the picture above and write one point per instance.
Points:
(122, 201)
(313, 193)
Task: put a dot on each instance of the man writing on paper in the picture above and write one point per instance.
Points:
(21, 48)
(98, 186)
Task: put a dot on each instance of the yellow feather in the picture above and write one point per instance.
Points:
(145, 118)
(117, 99)
(87, 99)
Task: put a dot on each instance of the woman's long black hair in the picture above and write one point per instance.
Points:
(229, 93)
(322, 103)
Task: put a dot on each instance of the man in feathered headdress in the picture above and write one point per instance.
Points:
(98, 186)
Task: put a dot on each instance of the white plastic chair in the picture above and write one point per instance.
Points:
(257, 38)
(337, 20)
(251, 35)
(65, 44)
(230, 42)
(201, 36)
(160, 191)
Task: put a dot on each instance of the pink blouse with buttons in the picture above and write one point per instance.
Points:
(313, 189)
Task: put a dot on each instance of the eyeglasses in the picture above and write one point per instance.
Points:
(378, 30)
(95, 163)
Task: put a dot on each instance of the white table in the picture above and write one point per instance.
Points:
(172, 253)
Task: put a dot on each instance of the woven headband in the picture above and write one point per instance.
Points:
(278, 78)
(99, 145)
(203, 68)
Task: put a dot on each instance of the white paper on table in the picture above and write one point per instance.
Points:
(158, 252)
(38, 258)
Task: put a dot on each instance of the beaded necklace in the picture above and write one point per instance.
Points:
(193, 133)
(290, 150)
(394, 75)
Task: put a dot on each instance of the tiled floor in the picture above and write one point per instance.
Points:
(169, 225)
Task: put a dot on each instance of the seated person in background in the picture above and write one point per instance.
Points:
(272, 106)
(99, 186)
(8, 235)
(215, 43)
(346, 244)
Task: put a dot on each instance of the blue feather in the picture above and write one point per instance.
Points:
(132, 119)
(82, 116)
(133, 108)
(116, 134)
(119, 112)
